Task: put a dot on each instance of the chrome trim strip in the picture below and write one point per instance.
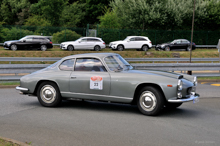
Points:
(21, 88)
(97, 95)
(192, 97)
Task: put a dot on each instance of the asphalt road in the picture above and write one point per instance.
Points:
(93, 123)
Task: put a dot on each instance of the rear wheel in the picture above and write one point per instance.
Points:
(188, 48)
(43, 47)
(144, 48)
(70, 48)
(48, 94)
(97, 48)
(120, 48)
(14, 47)
(150, 101)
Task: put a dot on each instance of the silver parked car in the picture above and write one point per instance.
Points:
(108, 77)
(84, 43)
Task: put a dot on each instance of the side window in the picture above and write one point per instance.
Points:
(178, 42)
(67, 65)
(89, 64)
(140, 39)
(132, 39)
(29, 39)
(83, 40)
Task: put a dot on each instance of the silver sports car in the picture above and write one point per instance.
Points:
(108, 77)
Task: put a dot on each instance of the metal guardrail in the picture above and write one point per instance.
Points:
(42, 59)
(29, 68)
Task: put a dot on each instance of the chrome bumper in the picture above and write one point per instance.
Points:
(21, 89)
(193, 98)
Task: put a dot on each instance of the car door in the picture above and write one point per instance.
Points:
(130, 43)
(37, 42)
(26, 43)
(185, 44)
(82, 44)
(177, 45)
(89, 80)
(91, 43)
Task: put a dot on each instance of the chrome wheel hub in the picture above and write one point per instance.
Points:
(148, 101)
(48, 93)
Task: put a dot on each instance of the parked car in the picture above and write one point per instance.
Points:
(108, 77)
(132, 42)
(84, 43)
(29, 42)
(176, 44)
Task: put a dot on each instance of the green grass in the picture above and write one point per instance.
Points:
(208, 78)
(10, 83)
(7, 143)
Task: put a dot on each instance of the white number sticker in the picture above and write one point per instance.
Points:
(96, 82)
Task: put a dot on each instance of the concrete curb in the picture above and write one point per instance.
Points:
(14, 141)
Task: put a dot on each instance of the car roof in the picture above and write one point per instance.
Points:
(138, 36)
(99, 55)
(181, 40)
(92, 37)
(40, 36)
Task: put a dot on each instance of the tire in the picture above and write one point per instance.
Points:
(188, 48)
(43, 47)
(97, 48)
(144, 48)
(167, 48)
(48, 94)
(172, 105)
(70, 48)
(150, 101)
(14, 47)
(120, 48)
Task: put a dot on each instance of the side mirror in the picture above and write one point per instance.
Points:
(128, 40)
(23, 40)
(79, 41)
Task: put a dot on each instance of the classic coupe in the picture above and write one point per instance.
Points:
(108, 77)
(176, 44)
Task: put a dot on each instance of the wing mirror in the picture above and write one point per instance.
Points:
(23, 40)
(128, 40)
(79, 41)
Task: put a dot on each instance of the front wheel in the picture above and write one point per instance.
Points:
(48, 94)
(167, 48)
(120, 48)
(150, 101)
(70, 48)
(43, 47)
(14, 47)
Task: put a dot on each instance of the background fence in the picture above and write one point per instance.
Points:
(9, 32)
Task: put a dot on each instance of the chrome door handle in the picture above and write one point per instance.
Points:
(73, 77)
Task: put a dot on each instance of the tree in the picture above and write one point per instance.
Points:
(72, 14)
(50, 10)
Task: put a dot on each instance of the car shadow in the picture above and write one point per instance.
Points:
(126, 108)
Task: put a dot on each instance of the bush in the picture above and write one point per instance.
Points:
(65, 35)
(14, 33)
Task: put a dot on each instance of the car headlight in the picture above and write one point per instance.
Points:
(195, 81)
(180, 85)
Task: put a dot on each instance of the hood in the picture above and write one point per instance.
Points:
(116, 42)
(12, 41)
(157, 73)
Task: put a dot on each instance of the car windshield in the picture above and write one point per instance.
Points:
(54, 65)
(117, 63)
(23, 38)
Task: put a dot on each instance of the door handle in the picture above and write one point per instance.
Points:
(73, 77)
